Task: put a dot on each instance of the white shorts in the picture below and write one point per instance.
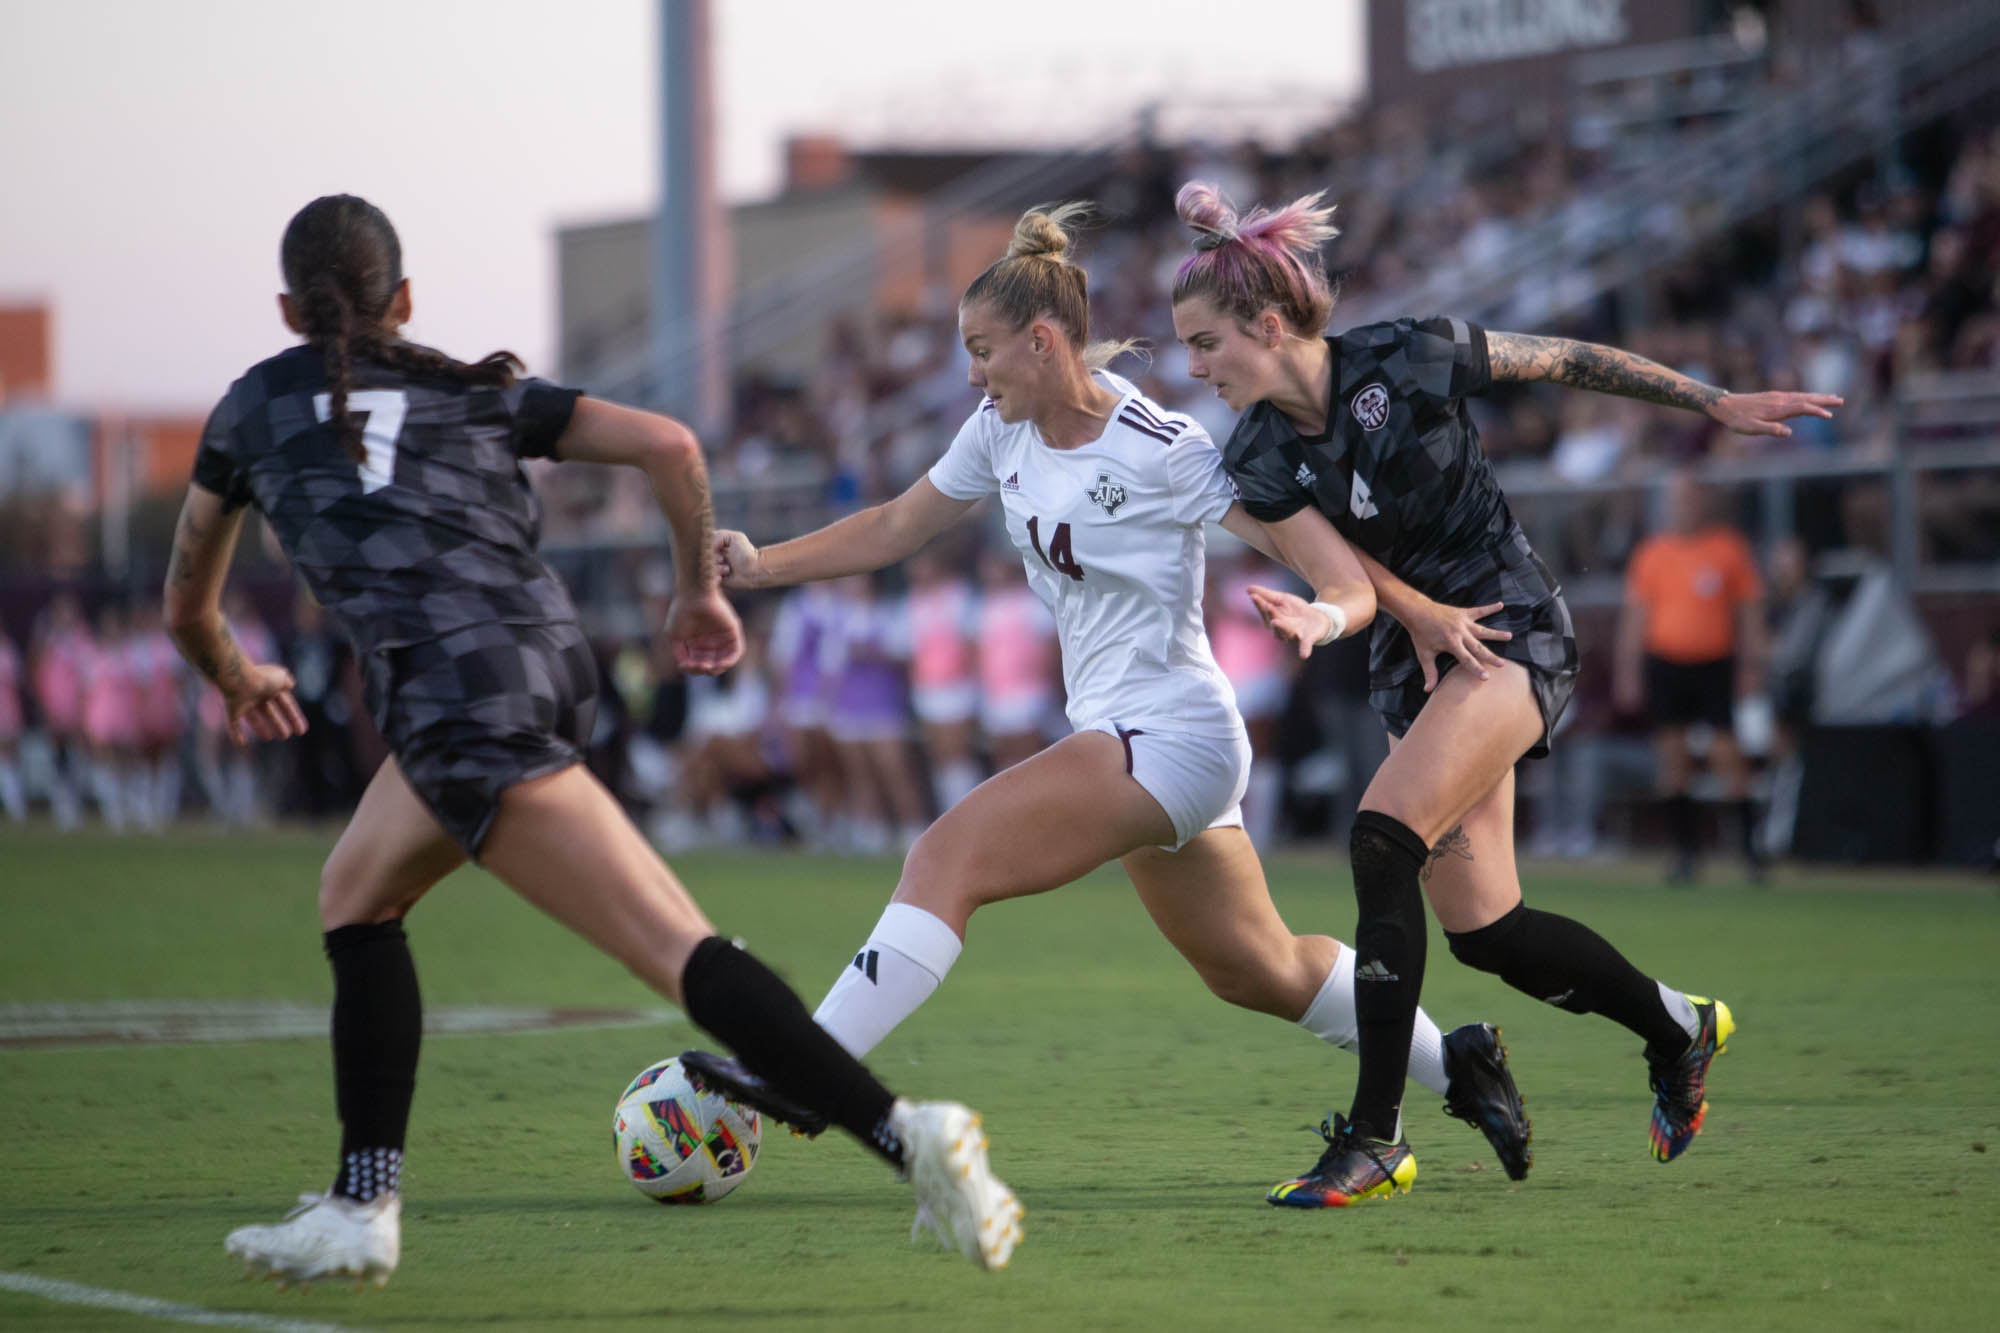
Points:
(1197, 777)
(942, 705)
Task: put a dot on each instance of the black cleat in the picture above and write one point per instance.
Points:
(728, 1076)
(1482, 1093)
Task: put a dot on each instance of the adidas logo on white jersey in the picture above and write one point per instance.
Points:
(1013, 483)
(1360, 503)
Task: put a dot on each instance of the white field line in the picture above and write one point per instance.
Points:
(172, 1022)
(146, 1307)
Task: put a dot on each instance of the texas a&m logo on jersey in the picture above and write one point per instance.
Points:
(1106, 494)
(1371, 407)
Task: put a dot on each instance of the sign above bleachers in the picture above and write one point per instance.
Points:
(1426, 50)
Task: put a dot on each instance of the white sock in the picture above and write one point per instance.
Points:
(167, 788)
(110, 795)
(953, 781)
(904, 961)
(1680, 1008)
(1330, 1017)
(12, 798)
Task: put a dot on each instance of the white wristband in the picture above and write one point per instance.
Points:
(1336, 622)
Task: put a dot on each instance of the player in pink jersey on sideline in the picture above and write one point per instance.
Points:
(59, 660)
(12, 798)
(111, 718)
(159, 677)
(1017, 662)
(944, 673)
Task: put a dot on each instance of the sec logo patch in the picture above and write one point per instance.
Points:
(1371, 407)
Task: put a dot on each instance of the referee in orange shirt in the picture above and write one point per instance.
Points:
(1691, 641)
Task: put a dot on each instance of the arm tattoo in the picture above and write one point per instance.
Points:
(217, 657)
(1454, 843)
(211, 650)
(1522, 356)
(188, 538)
(704, 523)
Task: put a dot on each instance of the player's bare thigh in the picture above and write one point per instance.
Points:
(1452, 773)
(391, 853)
(1465, 740)
(1471, 878)
(1212, 903)
(1031, 828)
(563, 843)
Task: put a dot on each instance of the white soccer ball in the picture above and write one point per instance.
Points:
(680, 1142)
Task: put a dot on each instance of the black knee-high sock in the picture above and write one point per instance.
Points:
(1680, 823)
(755, 1014)
(1389, 946)
(1567, 964)
(378, 1026)
(1745, 811)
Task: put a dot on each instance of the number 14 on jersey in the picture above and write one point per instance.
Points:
(1058, 556)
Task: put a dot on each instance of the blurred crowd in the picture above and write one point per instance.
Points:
(862, 709)
(866, 707)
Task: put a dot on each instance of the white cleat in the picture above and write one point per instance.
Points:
(958, 1196)
(324, 1237)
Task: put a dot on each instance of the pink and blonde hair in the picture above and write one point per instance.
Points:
(1260, 261)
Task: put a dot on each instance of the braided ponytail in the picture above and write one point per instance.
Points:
(329, 319)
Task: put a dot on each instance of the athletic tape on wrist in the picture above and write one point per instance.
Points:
(1336, 622)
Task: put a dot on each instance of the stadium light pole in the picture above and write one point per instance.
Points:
(690, 270)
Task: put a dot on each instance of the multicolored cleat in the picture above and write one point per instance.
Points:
(1680, 1082)
(1482, 1093)
(1353, 1167)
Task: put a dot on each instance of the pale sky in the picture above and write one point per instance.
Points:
(152, 150)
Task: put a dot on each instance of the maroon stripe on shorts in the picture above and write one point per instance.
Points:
(1125, 739)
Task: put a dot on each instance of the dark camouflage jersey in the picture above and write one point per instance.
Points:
(435, 532)
(1400, 473)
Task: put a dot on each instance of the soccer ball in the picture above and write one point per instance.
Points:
(680, 1142)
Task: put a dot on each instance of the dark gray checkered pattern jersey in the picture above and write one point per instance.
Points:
(434, 532)
(1399, 471)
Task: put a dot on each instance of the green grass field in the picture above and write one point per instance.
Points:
(1849, 1176)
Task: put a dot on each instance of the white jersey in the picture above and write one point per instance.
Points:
(1111, 535)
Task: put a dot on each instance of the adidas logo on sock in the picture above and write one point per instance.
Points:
(864, 963)
(1372, 970)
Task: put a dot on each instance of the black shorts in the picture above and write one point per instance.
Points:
(1681, 693)
(1544, 642)
(471, 714)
